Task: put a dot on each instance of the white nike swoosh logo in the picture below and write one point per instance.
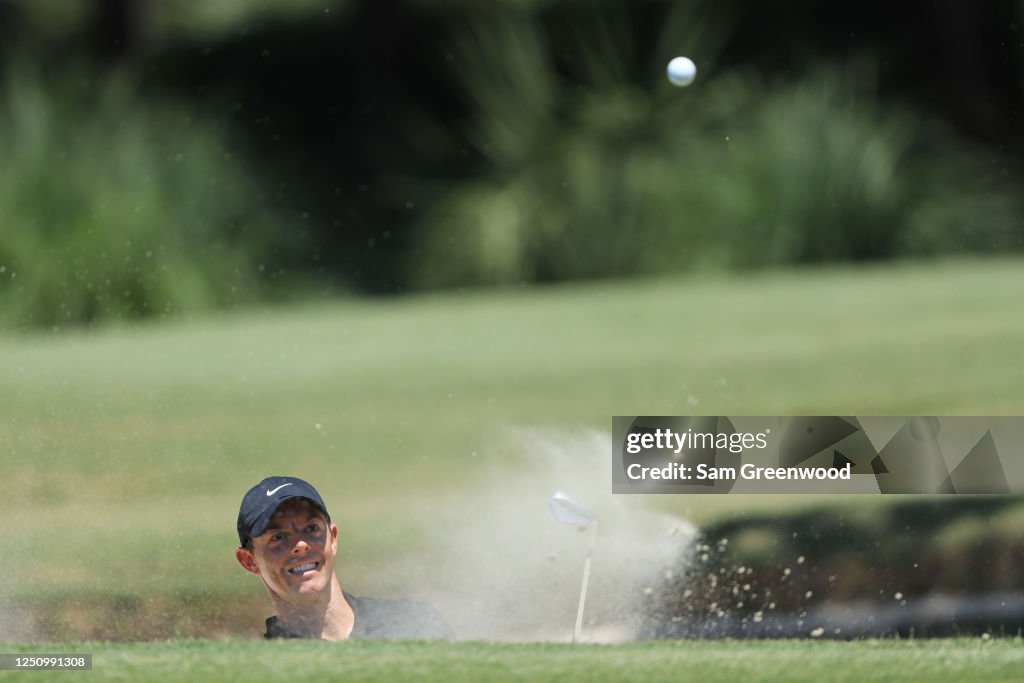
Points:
(271, 492)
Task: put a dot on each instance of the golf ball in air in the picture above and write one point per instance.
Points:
(682, 71)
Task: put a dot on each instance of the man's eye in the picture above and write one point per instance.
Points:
(277, 537)
(313, 528)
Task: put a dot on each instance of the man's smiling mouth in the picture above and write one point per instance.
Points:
(302, 568)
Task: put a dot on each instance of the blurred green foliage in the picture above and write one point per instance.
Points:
(568, 156)
(592, 171)
(49, 19)
(113, 207)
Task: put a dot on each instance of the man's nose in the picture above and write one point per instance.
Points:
(300, 545)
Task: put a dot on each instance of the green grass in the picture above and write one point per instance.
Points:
(709, 662)
(125, 451)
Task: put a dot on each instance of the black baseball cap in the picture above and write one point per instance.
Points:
(262, 500)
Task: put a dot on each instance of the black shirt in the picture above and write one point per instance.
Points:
(383, 618)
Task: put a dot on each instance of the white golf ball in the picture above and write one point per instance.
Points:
(681, 71)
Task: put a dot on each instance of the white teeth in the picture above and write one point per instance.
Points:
(303, 568)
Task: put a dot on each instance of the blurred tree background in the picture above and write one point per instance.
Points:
(165, 157)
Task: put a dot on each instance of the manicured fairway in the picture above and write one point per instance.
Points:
(935, 661)
(128, 449)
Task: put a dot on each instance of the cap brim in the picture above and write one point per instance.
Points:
(259, 527)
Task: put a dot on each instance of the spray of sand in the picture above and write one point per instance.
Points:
(503, 570)
(499, 568)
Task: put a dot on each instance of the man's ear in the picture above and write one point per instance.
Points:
(247, 560)
(334, 537)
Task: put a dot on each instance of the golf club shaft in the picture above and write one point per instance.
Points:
(586, 580)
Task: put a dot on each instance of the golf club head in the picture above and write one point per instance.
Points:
(565, 509)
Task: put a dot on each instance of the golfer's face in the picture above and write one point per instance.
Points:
(295, 554)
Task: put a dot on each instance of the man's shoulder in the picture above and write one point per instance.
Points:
(396, 618)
